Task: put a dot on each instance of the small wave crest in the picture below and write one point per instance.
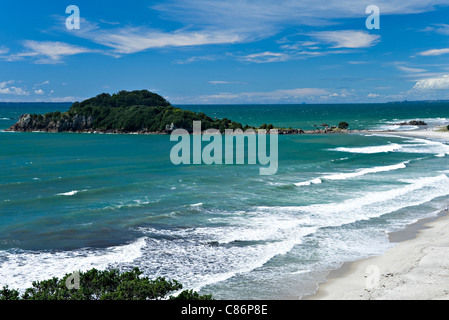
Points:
(371, 149)
(70, 193)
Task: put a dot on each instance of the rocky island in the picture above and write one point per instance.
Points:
(137, 112)
(124, 112)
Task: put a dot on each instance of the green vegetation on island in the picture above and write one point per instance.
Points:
(126, 111)
(103, 285)
(137, 111)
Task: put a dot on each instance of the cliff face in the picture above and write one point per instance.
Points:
(77, 123)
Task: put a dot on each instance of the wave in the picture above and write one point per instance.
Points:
(362, 172)
(416, 145)
(308, 183)
(419, 145)
(369, 150)
(19, 268)
(196, 204)
(70, 193)
(372, 204)
(230, 246)
(353, 174)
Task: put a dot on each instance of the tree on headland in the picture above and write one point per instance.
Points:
(104, 285)
(343, 125)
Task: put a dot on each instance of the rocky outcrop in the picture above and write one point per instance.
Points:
(77, 123)
(413, 123)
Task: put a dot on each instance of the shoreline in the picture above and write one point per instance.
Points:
(415, 268)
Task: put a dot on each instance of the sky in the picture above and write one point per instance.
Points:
(226, 52)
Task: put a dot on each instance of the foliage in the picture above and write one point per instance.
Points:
(104, 285)
(343, 125)
(8, 294)
(137, 111)
(447, 127)
(191, 295)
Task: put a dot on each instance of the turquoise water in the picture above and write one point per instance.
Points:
(76, 201)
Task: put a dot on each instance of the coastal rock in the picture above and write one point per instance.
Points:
(413, 123)
(29, 123)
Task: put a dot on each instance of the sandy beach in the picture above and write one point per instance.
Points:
(416, 268)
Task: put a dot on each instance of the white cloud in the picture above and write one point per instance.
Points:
(437, 83)
(51, 51)
(275, 95)
(129, 40)
(411, 70)
(4, 50)
(373, 95)
(265, 57)
(269, 14)
(440, 28)
(434, 52)
(7, 88)
(196, 59)
(45, 52)
(39, 91)
(235, 21)
(215, 82)
(347, 38)
(42, 83)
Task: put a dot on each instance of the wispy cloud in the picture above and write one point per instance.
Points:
(268, 14)
(440, 28)
(128, 40)
(45, 52)
(264, 96)
(411, 70)
(264, 57)
(197, 59)
(434, 52)
(217, 82)
(347, 38)
(42, 83)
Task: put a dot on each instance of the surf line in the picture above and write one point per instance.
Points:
(212, 153)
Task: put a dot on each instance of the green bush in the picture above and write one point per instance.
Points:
(343, 125)
(104, 285)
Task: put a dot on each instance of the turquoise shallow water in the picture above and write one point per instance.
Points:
(77, 201)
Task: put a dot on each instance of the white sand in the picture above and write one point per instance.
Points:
(431, 133)
(414, 269)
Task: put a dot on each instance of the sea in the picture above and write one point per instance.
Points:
(76, 201)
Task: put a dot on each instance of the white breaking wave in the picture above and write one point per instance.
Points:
(70, 193)
(353, 174)
(20, 269)
(425, 146)
(362, 172)
(374, 204)
(308, 183)
(417, 145)
(369, 150)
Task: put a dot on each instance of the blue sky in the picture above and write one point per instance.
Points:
(228, 51)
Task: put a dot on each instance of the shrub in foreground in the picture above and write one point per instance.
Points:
(104, 285)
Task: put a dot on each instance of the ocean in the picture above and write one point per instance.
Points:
(73, 202)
